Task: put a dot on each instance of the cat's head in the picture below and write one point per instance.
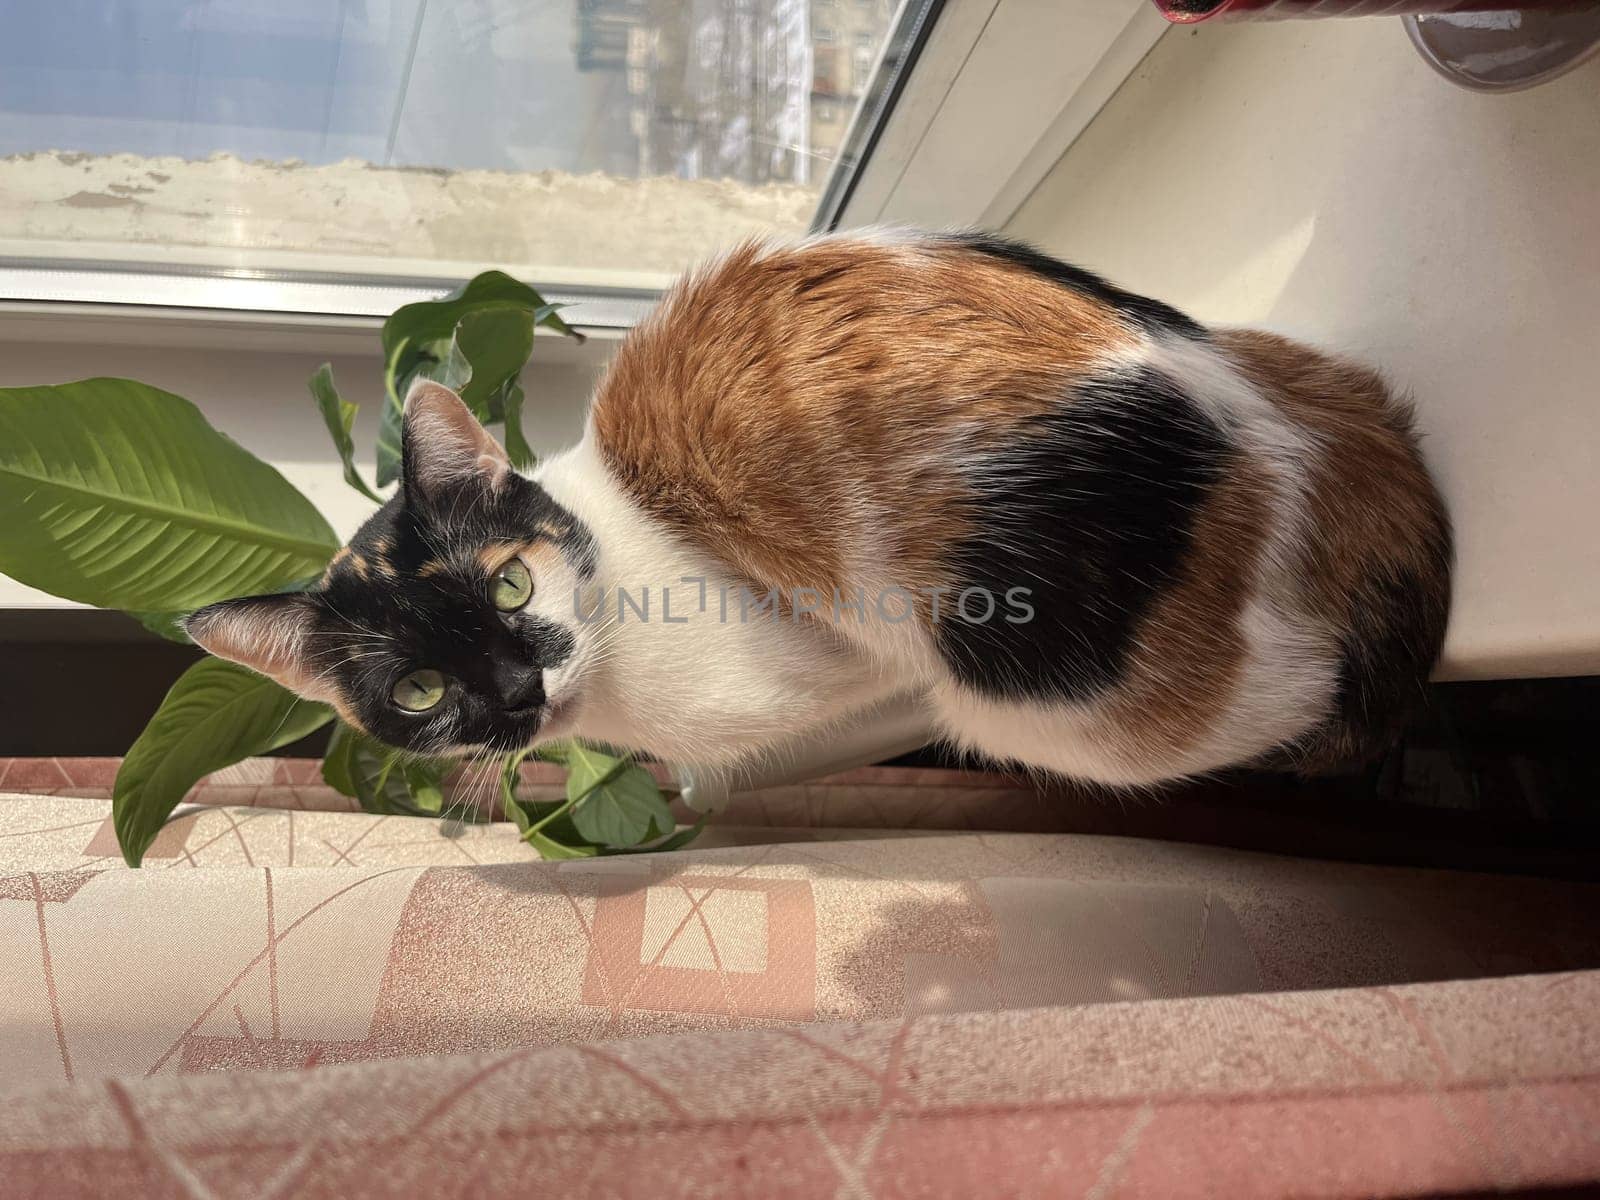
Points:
(449, 621)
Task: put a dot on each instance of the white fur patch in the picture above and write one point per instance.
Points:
(704, 688)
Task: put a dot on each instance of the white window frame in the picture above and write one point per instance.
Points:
(998, 91)
(290, 294)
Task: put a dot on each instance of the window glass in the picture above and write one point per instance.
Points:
(599, 141)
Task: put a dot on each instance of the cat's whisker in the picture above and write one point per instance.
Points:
(477, 792)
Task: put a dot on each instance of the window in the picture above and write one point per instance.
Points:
(595, 142)
(866, 49)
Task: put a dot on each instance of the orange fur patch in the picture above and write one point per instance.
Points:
(335, 562)
(1190, 646)
(495, 555)
(778, 401)
(380, 563)
(541, 554)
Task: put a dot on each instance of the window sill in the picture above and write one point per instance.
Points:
(256, 297)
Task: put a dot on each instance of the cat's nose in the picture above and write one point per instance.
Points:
(521, 689)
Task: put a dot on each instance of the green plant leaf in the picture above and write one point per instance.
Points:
(545, 315)
(549, 827)
(337, 769)
(121, 495)
(481, 364)
(435, 320)
(482, 360)
(407, 362)
(615, 802)
(392, 418)
(385, 780)
(551, 849)
(521, 454)
(677, 841)
(538, 822)
(216, 714)
(510, 776)
(339, 415)
(554, 752)
(517, 814)
(426, 781)
(419, 337)
(494, 342)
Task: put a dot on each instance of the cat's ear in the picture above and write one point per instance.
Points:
(267, 634)
(443, 445)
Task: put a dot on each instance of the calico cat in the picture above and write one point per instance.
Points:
(1096, 537)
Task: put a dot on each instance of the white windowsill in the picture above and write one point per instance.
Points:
(262, 297)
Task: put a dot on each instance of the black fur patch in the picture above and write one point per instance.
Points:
(578, 544)
(1150, 315)
(1383, 668)
(1093, 513)
(1396, 628)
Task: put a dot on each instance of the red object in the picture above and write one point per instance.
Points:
(1191, 12)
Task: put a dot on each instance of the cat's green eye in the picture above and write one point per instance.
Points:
(511, 586)
(419, 691)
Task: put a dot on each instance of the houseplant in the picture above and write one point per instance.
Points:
(123, 496)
